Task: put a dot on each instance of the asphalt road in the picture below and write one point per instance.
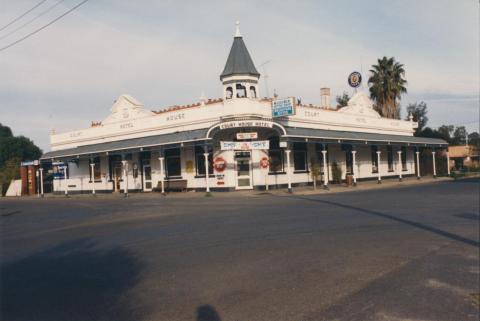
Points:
(394, 254)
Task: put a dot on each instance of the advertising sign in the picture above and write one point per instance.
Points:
(243, 136)
(246, 123)
(283, 107)
(355, 79)
(261, 144)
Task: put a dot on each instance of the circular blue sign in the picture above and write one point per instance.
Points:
(355, 79)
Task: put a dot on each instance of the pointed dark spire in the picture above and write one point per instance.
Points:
(239, 61)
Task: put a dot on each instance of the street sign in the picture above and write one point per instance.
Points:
(283, 107)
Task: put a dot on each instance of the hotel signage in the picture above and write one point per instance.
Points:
(246, 123)
(243, 136)
(283, 107)
(261, 144)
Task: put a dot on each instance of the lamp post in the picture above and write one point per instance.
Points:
(289, 179)
(92, 170)
(448, 164)
(125, 175)
(418, 164)
(65, 180)
(378, 168)
(207, 180)
(162, 175)
(325, 169)
(399, 165)
(434, 167)
(354, 171)
(41, 181)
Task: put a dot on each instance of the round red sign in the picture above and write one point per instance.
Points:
(219, 164)
(264, 163)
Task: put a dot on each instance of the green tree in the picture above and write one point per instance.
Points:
(387, 84)
(474, 139)
(459, 136)
(13, 150)
(445, 132)
(419, 113)
(5, 131)
(342, 100)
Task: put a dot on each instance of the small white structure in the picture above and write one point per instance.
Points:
(240, 141)
(15, 188)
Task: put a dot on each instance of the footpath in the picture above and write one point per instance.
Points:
(301, 190)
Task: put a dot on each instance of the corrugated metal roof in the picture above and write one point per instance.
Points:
(357, 136)
(148, 141)
(239, 61)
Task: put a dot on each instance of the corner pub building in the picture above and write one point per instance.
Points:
(240, 141)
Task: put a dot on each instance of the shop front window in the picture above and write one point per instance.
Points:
(390, 158)
(97, 175)
(404, 158)
(275, 156)
(300, 157)
(173, 163)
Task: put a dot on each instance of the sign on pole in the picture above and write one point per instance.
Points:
(355, 79)
(283, 107)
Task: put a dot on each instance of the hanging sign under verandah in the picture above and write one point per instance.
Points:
(261, 144)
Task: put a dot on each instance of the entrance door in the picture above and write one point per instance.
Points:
(243, 170)
(117, 173)
(147, 178)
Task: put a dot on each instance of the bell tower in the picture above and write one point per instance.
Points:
(239, 77)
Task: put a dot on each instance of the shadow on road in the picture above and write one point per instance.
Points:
(71, 281)
(422, 226)
(207, 313)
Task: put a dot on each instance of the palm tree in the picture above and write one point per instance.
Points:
(387, 84)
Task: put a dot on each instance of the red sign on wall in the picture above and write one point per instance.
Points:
(219, 164)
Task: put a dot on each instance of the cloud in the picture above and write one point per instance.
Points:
(168, 52)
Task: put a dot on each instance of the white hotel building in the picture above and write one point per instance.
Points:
(236, 139)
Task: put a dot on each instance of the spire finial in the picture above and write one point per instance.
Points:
(237, 32)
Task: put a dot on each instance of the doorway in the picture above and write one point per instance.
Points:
(117, 176)
(243, 170)
(147, 178)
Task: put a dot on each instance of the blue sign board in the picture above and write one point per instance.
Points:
(283, 107)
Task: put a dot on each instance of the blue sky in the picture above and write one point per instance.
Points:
(169, 52)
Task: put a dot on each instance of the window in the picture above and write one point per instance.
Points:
(229, 93)
(241, 91)
(300, 157)
(253, 92)
(404, 158)
(374, 159)
(390, 158)
(97, 175)
(275, 156)
(173, 165)
(200, 161)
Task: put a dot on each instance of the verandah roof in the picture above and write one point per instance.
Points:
(133, 143)
(333, 135)
(200, 134)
